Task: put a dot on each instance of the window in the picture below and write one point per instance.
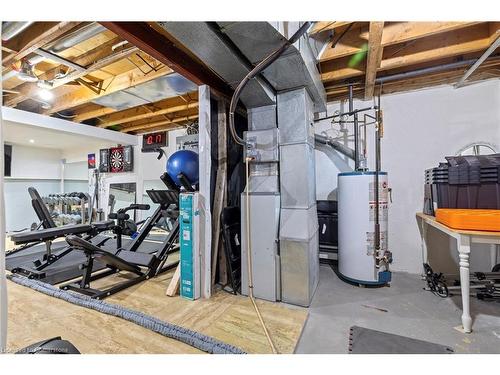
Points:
(7, 161)
(479, 148)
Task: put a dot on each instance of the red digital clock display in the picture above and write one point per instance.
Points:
(152, 141)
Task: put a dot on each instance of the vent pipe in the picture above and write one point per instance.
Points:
(11, 29)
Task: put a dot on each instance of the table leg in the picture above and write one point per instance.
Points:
(464, 251)
(494, 254)
(423, 236)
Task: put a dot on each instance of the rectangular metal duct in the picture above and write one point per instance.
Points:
(164, 87)
(255, 40)
(295, 68)
(204, 43)
(158, 89)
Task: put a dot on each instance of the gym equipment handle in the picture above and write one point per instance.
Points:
(139, 206)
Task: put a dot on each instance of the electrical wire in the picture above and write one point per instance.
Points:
(254, 72)
(249, 261)
(342, 35)
(66, 116)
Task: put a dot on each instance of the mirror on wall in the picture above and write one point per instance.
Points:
(122, 195)
(151, 185)
(164, 226)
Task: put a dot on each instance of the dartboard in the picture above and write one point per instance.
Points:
(116, 159)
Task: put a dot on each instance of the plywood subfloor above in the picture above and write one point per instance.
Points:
(34, 316)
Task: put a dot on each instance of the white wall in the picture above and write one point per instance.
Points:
(154, 168)
(31, 166)
(421, 128)
(146, 174)
(35, 162)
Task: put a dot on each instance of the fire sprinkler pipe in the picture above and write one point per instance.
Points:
(430, 70)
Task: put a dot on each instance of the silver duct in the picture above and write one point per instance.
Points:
(77, 36)
(344, 150)
(62, 44)
(11, 29)
(253, 42)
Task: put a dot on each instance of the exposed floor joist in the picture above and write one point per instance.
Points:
(161, 124)
(322, 26)
(356, 39)
(94, 113)
(93, 60)
(158, 44)
(374, 59)
(147, 115)
(358, 53)
(487, 71)
(473, 39)
(36, 36)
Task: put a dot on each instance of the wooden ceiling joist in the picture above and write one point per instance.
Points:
(95, 113)
(166, 50)
(461, 42)
(490, 69)
(108, 60)
(35, 37)
(355, 40)
(160, 128)
(159, 123)
(322, 26)
(374, 57)
(473, 39)
(149, 114)
(107, 115)
(29, 89)
(358, 53)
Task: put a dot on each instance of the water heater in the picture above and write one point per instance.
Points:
(358, 261)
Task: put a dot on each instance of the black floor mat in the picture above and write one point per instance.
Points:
(368, 341)
(67, 267)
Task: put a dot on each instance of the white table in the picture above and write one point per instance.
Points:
(464, 240)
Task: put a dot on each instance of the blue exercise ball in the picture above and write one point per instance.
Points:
(186, 162)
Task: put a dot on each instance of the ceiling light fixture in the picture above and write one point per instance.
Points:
(32, 141)
(44, 84)
(45, 94)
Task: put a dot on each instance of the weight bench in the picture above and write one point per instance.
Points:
(47, 235)
(141, 265)
(124, 260)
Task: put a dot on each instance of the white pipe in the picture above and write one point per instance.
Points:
(479, 61)
(63, 167)
(3, 280)
(11, 29)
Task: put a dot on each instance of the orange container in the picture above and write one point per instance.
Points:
(469, 219)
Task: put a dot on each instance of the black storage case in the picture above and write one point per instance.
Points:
(328, 224)
(471, 181)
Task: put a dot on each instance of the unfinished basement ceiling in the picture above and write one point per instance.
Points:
(120, 75)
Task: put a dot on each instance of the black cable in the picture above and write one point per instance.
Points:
(255, 71)
(342, 35)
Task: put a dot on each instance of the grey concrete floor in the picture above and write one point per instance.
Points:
(411, 312)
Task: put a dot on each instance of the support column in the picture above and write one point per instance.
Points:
(3, 281)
